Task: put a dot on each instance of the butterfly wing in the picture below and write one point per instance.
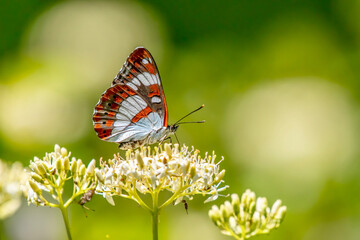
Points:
(141, 74)
(134, 105)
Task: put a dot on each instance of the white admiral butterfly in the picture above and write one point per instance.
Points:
(133, 112)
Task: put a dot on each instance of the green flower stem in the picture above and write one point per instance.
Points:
(137, 198)
(174, 196)
(236, 236)
(66, 221)
(64, 213)
(155, 215)
(243, 232)
(73, 197)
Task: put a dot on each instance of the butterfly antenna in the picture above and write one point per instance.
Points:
(190, 114)
(191, 122)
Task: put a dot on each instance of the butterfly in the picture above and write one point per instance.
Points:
(133, 111)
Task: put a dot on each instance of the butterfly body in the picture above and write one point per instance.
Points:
(133, 111)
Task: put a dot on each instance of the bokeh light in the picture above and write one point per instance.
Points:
(302, 131)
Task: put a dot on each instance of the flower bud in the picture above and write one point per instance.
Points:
(109, 199)
(233, 225)
(57, 148)
(224, 213)
(99, 175)
(242, 214)
(281, 213)
(275, 207)
(256, 219)
(91, 167)
(66, 164)
(34, 187)
(59, 166)
(139, 160)
(248, 197)
(192, 171)
(82, 170)
(79, 164)
(36, 177)
(261, 204)
(187, 166)
(63, 152)
(251, 207)
(168, 150)
(228, 208)
(41, 168)
(235, 203)
(176, 148)
(34, 167)
(73, 167)
(128, 154)
(214, 214)
(219, 177)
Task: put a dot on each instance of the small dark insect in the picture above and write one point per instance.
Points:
(86, 198)
(185, 205)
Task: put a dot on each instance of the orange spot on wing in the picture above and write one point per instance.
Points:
(154, 90)
(99, 107)
(124, 95)
(143, 113)
(101, 132)
(109, 123)
(111, 114)
(150, 68)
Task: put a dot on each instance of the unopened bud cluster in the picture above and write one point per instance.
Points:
(180, 171)
(248, 216)
(11, 178)
(48, 176)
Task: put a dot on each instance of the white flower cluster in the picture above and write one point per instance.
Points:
(182, 172)
(248, 217)
(11, 178)
(47, 177)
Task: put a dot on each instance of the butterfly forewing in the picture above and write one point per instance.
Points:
(140, 72)
(135, 103)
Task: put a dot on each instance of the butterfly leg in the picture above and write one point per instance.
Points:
(164, 139)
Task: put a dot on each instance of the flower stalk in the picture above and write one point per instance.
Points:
(155, 216)
(66, 221)
(47, 177)
(151, 171)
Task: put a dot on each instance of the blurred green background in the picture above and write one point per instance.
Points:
(280, 81)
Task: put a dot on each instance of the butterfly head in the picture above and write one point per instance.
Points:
(172, 128)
